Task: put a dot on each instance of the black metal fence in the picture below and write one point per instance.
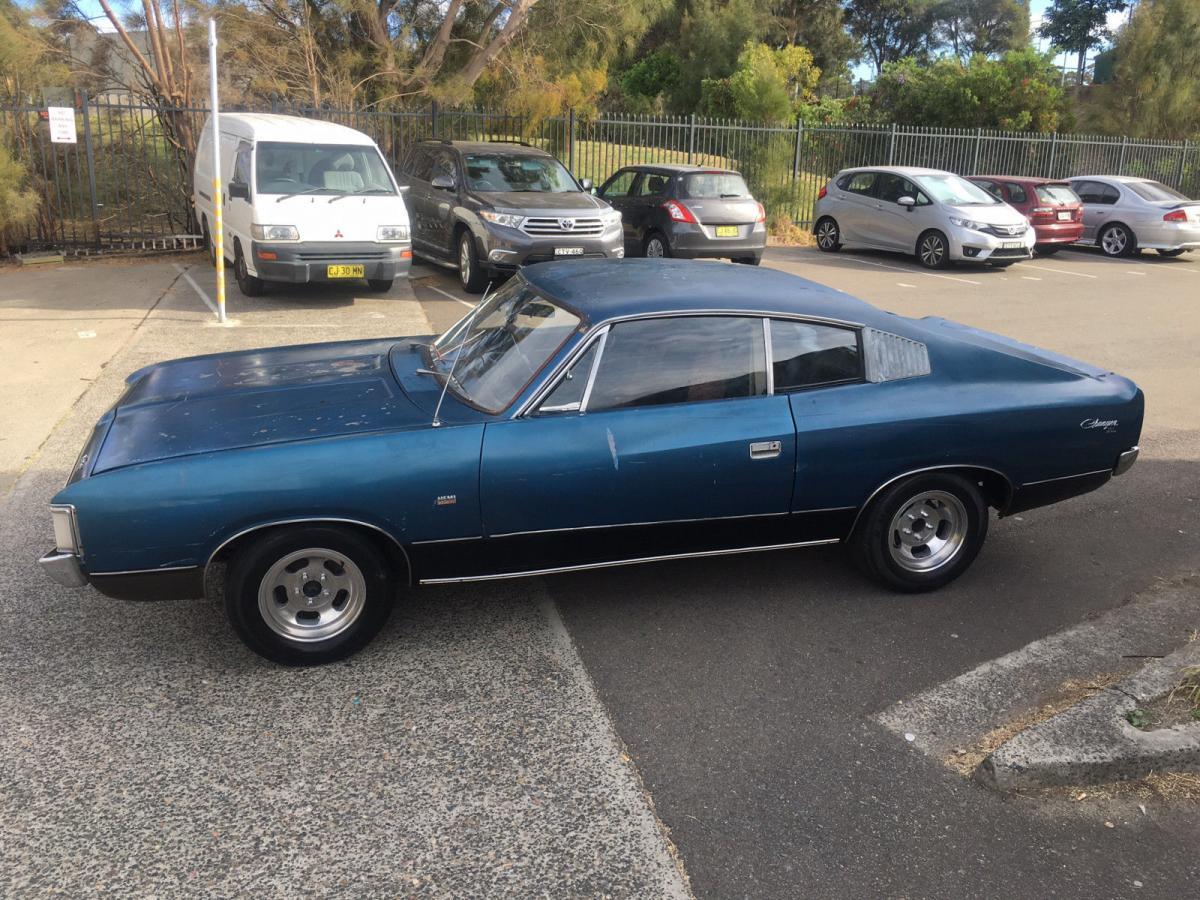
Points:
(125, 185)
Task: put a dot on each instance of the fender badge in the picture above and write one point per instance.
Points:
(447, 500)
(1109, 425)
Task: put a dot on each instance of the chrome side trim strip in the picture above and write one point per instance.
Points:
(312, 520)
(476, 537)
(1066, 477)
(637, 524)
(940, 468)
(145, 571)
(627, 562)
(801, 512)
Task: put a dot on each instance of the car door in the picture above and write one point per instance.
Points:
(1098, 199)
(855, 208)
(1016, 196)
(662, 439)
(440, 203)
(417, 169)
(645, 202)
(617, 192)
(239, 211)
(897, 226)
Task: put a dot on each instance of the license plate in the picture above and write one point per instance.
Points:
(568, 251)
(1012, 245)
(727, 231)
(1064, 216)
(344, 271)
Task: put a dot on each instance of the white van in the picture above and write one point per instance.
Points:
(303, 201)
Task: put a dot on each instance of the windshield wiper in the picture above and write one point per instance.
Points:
(283, 197)
(359, 193)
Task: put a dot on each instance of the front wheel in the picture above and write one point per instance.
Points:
(470, 272)
(828, 235)
(1117, 240)
(921, 533)
(933, 251)
(308, 595)
(1170, 254)
(249, 285)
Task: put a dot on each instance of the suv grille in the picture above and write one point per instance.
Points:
(567, 225)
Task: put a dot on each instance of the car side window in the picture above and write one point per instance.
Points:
(443, 164)
(1016, 193)
(619, 184)
(680, 360)
(567, 396)
(859, 183)
(805, 355)
(241, 166)
(1088, 191)
(990, 186)
(1109, 195)
(652, 185)
(420, 164)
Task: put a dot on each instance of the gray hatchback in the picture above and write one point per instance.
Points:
(687, 211)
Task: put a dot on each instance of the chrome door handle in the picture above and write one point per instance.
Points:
(765, 449)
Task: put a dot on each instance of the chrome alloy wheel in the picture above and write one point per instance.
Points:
(1113, 241)
(827, 235)
(928, 531)
(464, 259)
(311, 595)
(933, 248)
(655, 248)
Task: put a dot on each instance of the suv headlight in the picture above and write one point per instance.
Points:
(968, 223)
(274, 232)
(506, 219)
(66, 530)
(391, 233)
(610, 218)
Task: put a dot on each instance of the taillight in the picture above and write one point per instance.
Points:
(822, 192)
(1175, 215)
(762, 213)
(678, 212)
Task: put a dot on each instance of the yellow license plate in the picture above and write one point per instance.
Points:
(345, 272)
(727, 231)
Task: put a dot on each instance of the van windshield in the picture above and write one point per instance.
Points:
(320, 169)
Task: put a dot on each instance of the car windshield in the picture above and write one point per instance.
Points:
(282, 168)
(505, 342)
(500, 172)
(715, 185)
(1056, 193)
(955, 191)
(1154, 191)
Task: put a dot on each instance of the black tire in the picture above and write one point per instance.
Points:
(382, 285)
(933, 250)
(879, 547)
(1171, 254)
(1047, 249)
(249, 285)
(470, 273)
(748, 260)
(359, 556)
(656, 246)
(828, 235)
(1116, 240)
(209, 246)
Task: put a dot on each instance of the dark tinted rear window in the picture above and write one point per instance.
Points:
(714, 185)
(806, 355)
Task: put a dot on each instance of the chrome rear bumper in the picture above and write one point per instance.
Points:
(64, 568)
(1125, 461)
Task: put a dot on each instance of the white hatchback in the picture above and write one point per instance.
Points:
(939, 217)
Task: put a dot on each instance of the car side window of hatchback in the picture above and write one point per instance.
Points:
(890, 188)
(619, 184)
(688, 359)
(1016, 193)
(652, 185)
(858, 183)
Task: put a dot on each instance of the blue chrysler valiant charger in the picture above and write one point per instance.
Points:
(586, 414)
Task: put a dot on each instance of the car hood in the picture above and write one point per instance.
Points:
(255, 397)
(543, 202)
(1000, 214)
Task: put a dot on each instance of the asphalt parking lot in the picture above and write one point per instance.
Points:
(581, 735)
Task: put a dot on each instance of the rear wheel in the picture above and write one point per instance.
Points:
(1117, 240)
(656, 246)
(828, 235)
(933, 251)
(921, 533)
(309, 594)
(1170, 254)
(748, 260)
(470, 272)
(209, 246)
(382, 285)
(248, 284)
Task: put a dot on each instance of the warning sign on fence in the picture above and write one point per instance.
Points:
(62, 124)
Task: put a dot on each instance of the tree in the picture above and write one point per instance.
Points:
(1156, 79)
(890, 30)
(816, 25)
(766, 86)
(1076, 26)
(988, 27)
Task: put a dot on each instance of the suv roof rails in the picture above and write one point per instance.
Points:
(507, 141)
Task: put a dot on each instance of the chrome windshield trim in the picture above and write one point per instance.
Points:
(1067, 477)
(531, 573)
(591, 382)
(640, 524)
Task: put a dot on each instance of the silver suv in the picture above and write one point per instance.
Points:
(937, 216)
(1122, 215)
(488, 208)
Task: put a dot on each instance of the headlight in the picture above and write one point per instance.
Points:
(391, 233)
(611, 218)
(274, 232)
(506, 219)
(66, 532)
(968, 223)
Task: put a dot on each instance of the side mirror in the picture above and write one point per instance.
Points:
(239, 189)
(443, 182)
(586, 184)
(910, 202)
(404, 188)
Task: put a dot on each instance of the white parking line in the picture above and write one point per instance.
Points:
(1059, 271)
(868, 262)
(195, 287)
(1031, 278)
(904, 284)
(448, 295)
(1131, 272)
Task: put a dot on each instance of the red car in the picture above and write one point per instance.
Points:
(1052, 208)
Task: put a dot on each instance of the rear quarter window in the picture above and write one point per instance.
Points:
(807, 355)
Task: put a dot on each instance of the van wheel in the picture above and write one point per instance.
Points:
(921, 533)
(382, 285)
(308, 595)
(208, 241)
(248, 284)
(474, 279)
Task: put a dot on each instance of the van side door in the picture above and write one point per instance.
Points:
(239, 211)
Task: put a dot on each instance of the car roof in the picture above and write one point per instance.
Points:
(290, 129)
(513, 147)
(679, 168)
(1020, 179)
(897, 170)
(1119, 179)
(609, 288)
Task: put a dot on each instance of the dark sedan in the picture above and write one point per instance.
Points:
(687, 211)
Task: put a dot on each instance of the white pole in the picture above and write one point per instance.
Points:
(218, 232)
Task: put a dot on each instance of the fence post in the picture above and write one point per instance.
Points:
(892, 147)
(796, 155)
(1053, 151)
(978, 142)
(571, 140)
(91, 165)
(1121, 159)
(1182, 156)
(433, 111)
(691, 137)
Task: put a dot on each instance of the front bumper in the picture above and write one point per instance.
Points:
(698, 241)
(507, 249)
(967, 245)
(64, 568)
(305, 262)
